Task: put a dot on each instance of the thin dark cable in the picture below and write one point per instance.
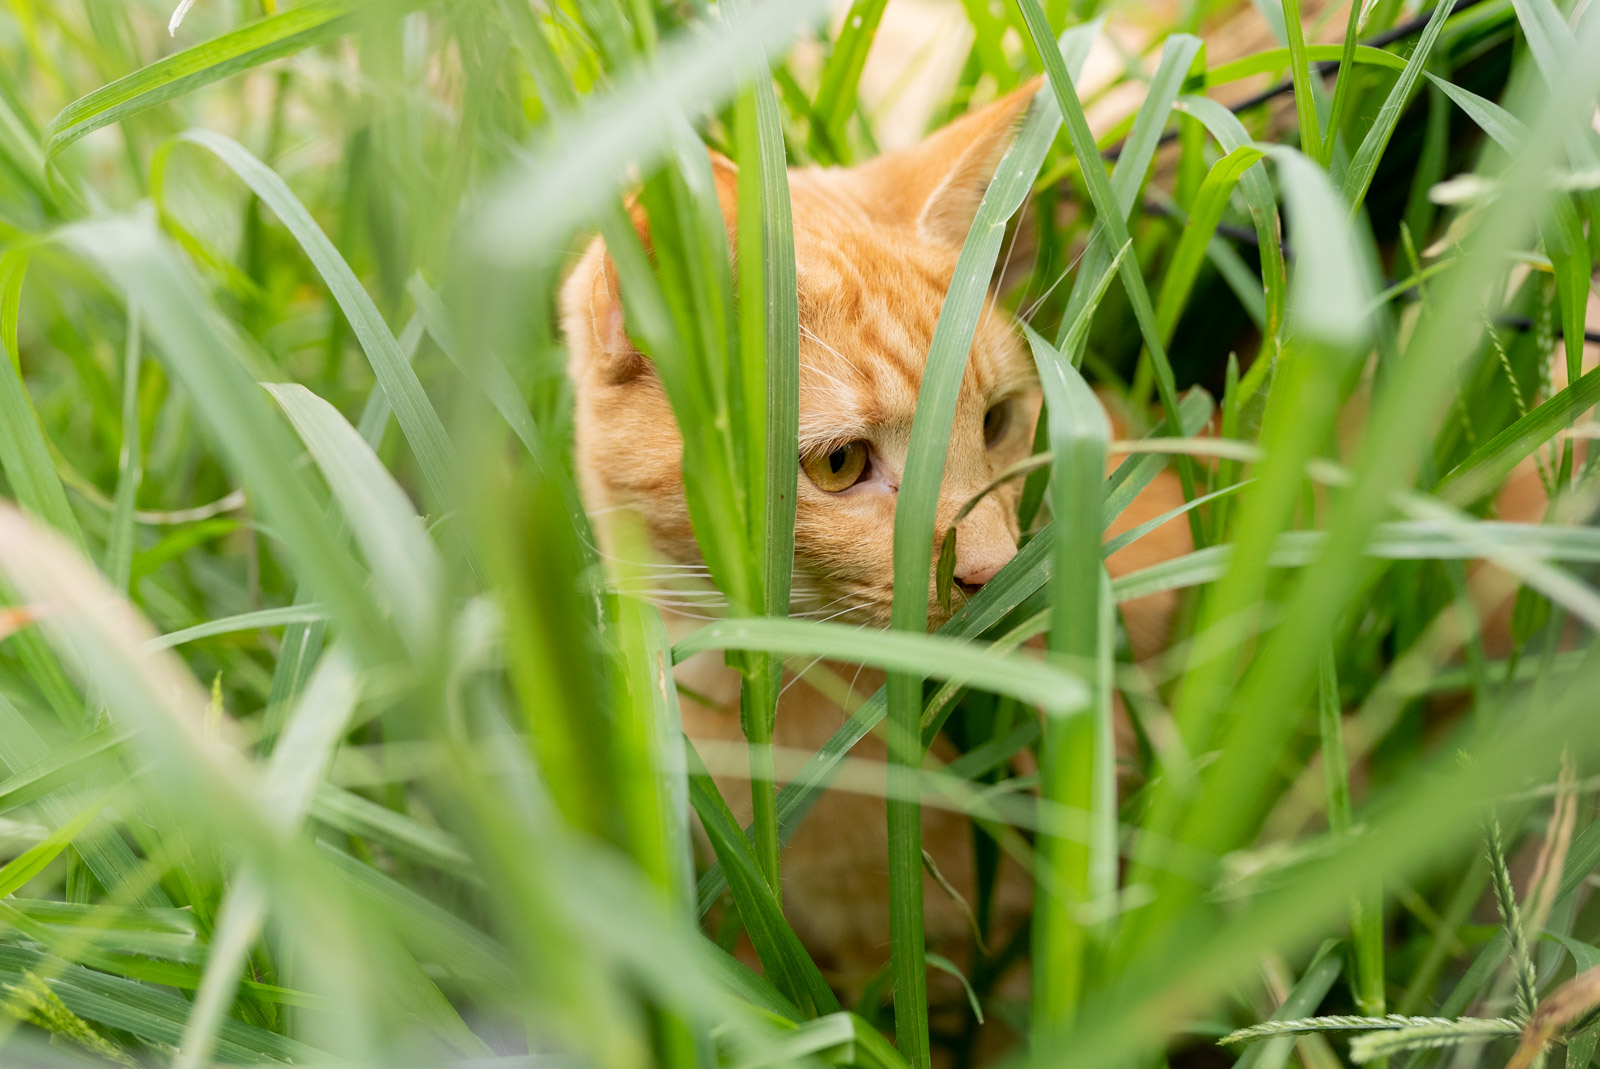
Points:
(1388, 37)
(1244, 236)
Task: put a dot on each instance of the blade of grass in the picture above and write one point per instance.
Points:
(205, 355)
(788, 965)
(63, 765)
(1275, 59)
(769, 349)
(1365, 164)
(308, 24)
(248, 621)
(915, 514)
(1262, 203)
(1305, 104)
(1488, 465)
(1108, 214)
(1344, 79)
(1055, 689)
(836, 96)
(412, 409)
(403, 560)
(120, 541)
(1077, 762)
(1210, 202)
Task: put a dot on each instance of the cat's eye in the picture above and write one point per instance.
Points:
(837, 469)
(996, 422)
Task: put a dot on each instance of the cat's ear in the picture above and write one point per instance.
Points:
(935, 186)
(592, 299)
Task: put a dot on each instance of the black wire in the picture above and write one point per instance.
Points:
(1388, 37)
(1524, 323)
(1244, 236)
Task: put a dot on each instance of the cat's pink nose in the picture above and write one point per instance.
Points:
(980, 574)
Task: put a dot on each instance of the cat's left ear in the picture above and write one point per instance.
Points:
(936, 185)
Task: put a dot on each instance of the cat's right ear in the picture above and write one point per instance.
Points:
(592, 315)
(592, 320)
(935, 186)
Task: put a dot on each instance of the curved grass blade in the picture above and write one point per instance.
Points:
(249, 621)
(934, 656)
(1274, 59)
(1488, 465)
(412, 409)
(1204, 215)
(63, 765)
(788, 965)
(1256, 188)
(1506, 129)
(1108, 214)
(1365, 164)
(309, 24)
(203, 353)
(405, 564)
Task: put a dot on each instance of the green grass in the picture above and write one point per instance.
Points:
(324, 739)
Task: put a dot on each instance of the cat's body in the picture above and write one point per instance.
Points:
(876, 247)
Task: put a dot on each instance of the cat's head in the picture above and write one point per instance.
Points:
(875, 251)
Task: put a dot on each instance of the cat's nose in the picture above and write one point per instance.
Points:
(977, 576)
(984, 545)
(982, 562)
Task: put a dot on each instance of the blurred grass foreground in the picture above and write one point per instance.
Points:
(327, 739)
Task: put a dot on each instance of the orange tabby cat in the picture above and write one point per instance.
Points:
(875, 248)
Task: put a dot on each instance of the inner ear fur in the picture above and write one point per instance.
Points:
(936, 185)
(592, 300)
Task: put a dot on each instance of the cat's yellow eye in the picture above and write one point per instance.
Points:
(837, 469)
(996, 422)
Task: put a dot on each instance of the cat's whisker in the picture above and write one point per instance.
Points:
(854, 679)
(645, 592)
(806, 332)
(1005, 264)
(795, 677)
(815, 370)
(1027, 316)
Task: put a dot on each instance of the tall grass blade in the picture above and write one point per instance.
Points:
(410, 403)
(1077, 763)
(1365, 164)
(915, 512)
(305, 26)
